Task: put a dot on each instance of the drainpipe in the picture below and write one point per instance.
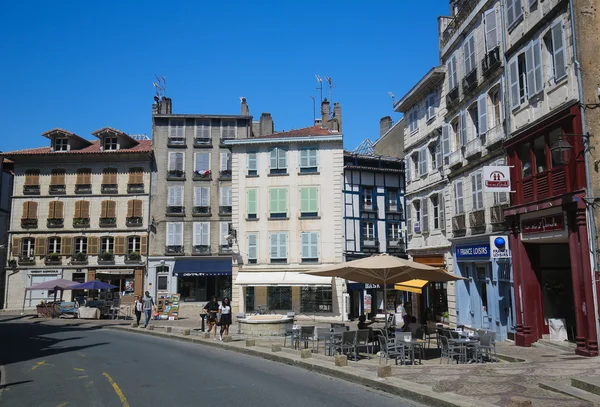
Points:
(505, 74)
(588, 186)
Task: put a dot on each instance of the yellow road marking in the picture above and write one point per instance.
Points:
(116, 389)
(78, 369)
(42, 363)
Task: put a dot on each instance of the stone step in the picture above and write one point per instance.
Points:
(564, 388)
(590, 384)
(563, 346)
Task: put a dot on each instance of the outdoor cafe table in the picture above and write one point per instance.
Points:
(330, 336)
(469, 345)
(412, 345)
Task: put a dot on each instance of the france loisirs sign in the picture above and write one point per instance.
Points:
(496, 179)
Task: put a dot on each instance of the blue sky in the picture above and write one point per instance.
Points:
(89, 64)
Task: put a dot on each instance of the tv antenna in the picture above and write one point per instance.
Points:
(331, 86)
(393, 98)
(160, 86)
(320, 87)
(314, 109)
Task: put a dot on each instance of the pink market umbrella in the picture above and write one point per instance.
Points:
(54, 285)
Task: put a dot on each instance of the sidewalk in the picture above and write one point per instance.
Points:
(497, 384)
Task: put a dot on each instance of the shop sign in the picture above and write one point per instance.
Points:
(473, 251)
(543, 224)
(367, 301)
(496, 178)
(372, 287)
(499, 247)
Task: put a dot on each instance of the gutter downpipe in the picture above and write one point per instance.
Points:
(588, 186)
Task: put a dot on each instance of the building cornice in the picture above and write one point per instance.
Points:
(280, 140)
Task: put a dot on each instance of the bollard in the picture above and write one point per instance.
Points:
(227, 338)
(168, 329)
(341, 360)
(151, 327)
(384, 371)
(206, 335)
(275, 348)
(250, 342)
(305, 353)
(186, 332)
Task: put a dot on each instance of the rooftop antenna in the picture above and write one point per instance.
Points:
(314, 109)
(331, 85)
(160, 85)
(320, 87)
(393, 98)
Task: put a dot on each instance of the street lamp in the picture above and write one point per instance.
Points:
(561, 151)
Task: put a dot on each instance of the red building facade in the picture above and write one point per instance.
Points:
(549, 236)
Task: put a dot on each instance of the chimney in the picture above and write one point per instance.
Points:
(165, 106)
(244, 111)
(324, 112)
(337, 117)
(385, 124)
(266, 124)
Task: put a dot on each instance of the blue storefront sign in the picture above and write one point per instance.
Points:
(473, 251)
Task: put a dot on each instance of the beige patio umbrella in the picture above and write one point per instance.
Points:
(384, 269)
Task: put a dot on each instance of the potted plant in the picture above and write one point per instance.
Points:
(445, 317)
(80, 256)
(134, 256)
(107, 256)
(53, 256)
(12, 264)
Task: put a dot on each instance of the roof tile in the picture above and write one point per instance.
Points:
(93, 148)
(304, 132)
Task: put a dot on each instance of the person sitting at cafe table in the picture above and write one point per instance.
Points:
(413, 326)
(362, 322)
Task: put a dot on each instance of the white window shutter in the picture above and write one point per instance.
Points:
(441, 213)
(474, 191)
(409, 218)
(197, 234)
(537, 66)
(224, 232)
(170, 234)
(171, 196)
(179, 161)
(463, 128)
(479, 180)
(252, 246)
(558, 43)
(313, 159)
(407, 165)
(273, 158)
(466, 58)
(304, 157)
(178, 234)
(224, 159)
(274, 242)
(205, 201)
(515, 96)
(282, 159)
(529, 68)
(425, 215)
(305, 239)
(449, 70)
(472, 53)
(252, 161)
(482, 111)
(438, 154)
(510, 12)
(283, 245)
(314, 244)
(445, 139)
(491, 29)
(454, 72)
(179, 196)
(205, 234)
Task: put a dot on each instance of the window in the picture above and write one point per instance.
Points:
(176, 131)
(278, 160)
(81, 244)
(495, 97)
(310, 246)
(525, 158)
(309, 201)
(109, 176)
(176, 163)
(202, 168)
(367, 198)
(161, 282)
(452, 74)
(57, 177)
(228, 128)
(417, 206)
(463, 128)
(203, 130)
(425, 216)
(368, 230)
(445, 143)
(107, 244)
(201, 235)
(202, 196)
(469, 55)
(423, 161)
(252, 195)
(459, 207)
(224, 237)
(225, 163)
(279, 250)
(500, 198)
(175, 234)
(518, 80)
(252, 247)
(435, 206)
(225, 195)
(309, 160)
(279, 298)
(482, 114)
(133, 244)
(316, 299)
(32, 178)
(249, 299)
(555, 44)
(29, 210)
(61, 144)
(82, 212)
(136, 176)
(253, 163)
(392, 200)
(477, 189)
(175, 196)
(53, 245)
(408, 171)
(27, 247)
(491, 29)
(430, 106)
(413, 117)
(394, 233)
(513, 11)
(111, 143)
(539, 153)
(278, 202)
(473, 120)
(526, 76)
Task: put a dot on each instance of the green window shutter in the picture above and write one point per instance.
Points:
(313, 200)
(304, 200)
(272, 200)
(252, 201)
(304, 157)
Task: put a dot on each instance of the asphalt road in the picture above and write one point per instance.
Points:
(59, 366)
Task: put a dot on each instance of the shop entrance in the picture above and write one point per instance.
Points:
(202, 288)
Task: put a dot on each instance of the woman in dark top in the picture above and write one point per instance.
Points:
(224, 317)
(212, 309)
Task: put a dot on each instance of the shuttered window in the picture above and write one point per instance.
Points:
(279, 242)
(136, 176)
(309, 201)
(144, 245)
(425, 215)
(175, 195)
(57, 177)
(310, 246)
(174, 234)
(32, 177)
(469, 54)
(452, 74)
(55, 210)
(134, 208)
(67, 246)
(203, 129)
(491, 29)
(558, 51)
(108, 209)
(278, 160)
(225, 161)
(84, 176)
(30, 210)
(82, 209)
(228, 128)
(253, 163)
(225, 197)
(463, 128)
(477, 190)
(202, 196)
(278, 202)
(309, 159)
(224, 231)
(176, 161)
(446, 149)
(252, 247)
(120, 248)
(93, 245)
(513, 11)
(109, 176)
(201, 233)
(252, 203)
(40, 246)
(482, 112)
(458, 198)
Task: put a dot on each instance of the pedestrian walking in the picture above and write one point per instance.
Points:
(139, 307)
(212, 310)
(148, 307)
(224, 317)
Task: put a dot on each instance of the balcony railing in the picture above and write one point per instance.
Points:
(109, 188)
(396, 245)
(455, 158)
(79, 258)
(107, 222)
(31, 189)
(57, 189)
(491, 61)
(203, 175)
(473, 147)
(176, 142)
(81, 222)
(25, 260)
(466, 7)
(202, 142)
(55, 223)
(174, 249)
(458, 223)
(201, 250)
(477, 219)
(225, 249)
(225, 174)
(452, 97)
(176, 210)
(134, 221)
(497, 214)
(83, 188)
(106, 258)
(176, 175)
(29, 223)
(494, 135)
(52, 260)
(368, 207)
(133, 257)
(470, 81)
(201, 211)
(225, 210)
(135, 188)
(370, 244)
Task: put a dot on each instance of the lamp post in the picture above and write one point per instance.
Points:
(561, 151)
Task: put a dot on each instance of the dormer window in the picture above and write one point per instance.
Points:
(111, 143)
(61, 144)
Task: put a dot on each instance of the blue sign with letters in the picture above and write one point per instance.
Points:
(473, 251)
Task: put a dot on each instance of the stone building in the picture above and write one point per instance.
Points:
(287, 192)
(190, 249)
(391, 138)
(80, 212)
(6, 181)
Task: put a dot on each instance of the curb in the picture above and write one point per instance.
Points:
(398, 387)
